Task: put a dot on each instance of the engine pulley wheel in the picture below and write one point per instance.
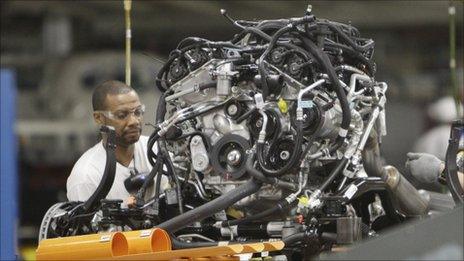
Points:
(312, 118)
(177, 71)
(277, 55)
(281, 152)
(228, 156)
(234, 109)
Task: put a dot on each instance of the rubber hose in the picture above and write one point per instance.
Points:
(334, 174)
(211, 207)
(173, 174)
(293, 160)
(256, 173)
(323, 59)
(108, 176)
(289, 240)
(155, 170)
(347, 39)
(262, 71)
(282, 205)
(271, 45)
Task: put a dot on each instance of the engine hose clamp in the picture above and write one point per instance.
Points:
(161, 132)
(290, 198)
(299, 114)
(343, 132)
(262, 137)
(314, 200)
(259, 101)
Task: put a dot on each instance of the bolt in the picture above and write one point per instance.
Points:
(232, 109)
(200, 162)
(233, 158)
(284, 155)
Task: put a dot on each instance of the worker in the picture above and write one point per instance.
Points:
(114, 104)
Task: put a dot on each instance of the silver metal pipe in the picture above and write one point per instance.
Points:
(351, 68)
(262, 133)
(307, 89)
(354, 78)
(409, 199)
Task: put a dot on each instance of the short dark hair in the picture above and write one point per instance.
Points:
(107, 88)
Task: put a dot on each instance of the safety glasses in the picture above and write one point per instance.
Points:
(122, 115)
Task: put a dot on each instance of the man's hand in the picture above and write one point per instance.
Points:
(424, 167)
(131, 202)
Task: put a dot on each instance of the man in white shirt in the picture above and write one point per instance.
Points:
(117, 105)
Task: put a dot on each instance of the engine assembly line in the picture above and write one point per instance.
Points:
(270, 142)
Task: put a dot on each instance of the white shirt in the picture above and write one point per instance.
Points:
(88, 172)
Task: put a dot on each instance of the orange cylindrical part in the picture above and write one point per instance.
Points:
(146, 241)
(95, 246)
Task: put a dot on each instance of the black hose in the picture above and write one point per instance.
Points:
(211, 207)
(162, 149)
(158, 182)
(157, 167)
(159, 117)
(370, 65)
(323, 59)
(294, 159)
(452, 169)
(282, 205)
(173, 175)
(204, 86)
(159, 77)
(151, 142)
(334, 174)
(271, 45)
(108, 175)
(348, 40)
(289, 240)
(256, 173)
(261, 69)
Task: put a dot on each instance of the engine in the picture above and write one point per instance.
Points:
(286, 103)
(273, 134)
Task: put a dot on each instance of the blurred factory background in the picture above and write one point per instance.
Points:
(59, 50)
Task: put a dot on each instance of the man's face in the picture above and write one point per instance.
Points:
(123, 113)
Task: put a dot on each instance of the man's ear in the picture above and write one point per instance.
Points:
(98, 118)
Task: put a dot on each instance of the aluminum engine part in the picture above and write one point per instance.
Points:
(200, 159)
(348, 230)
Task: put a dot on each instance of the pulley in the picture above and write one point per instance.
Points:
(229, 156)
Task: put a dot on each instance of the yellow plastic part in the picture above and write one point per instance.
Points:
(226, 252)
(186, 253)
(253, 248)
(274, 246)
(146, 241)
(303, 201)
(283, 106)
(95, 246)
